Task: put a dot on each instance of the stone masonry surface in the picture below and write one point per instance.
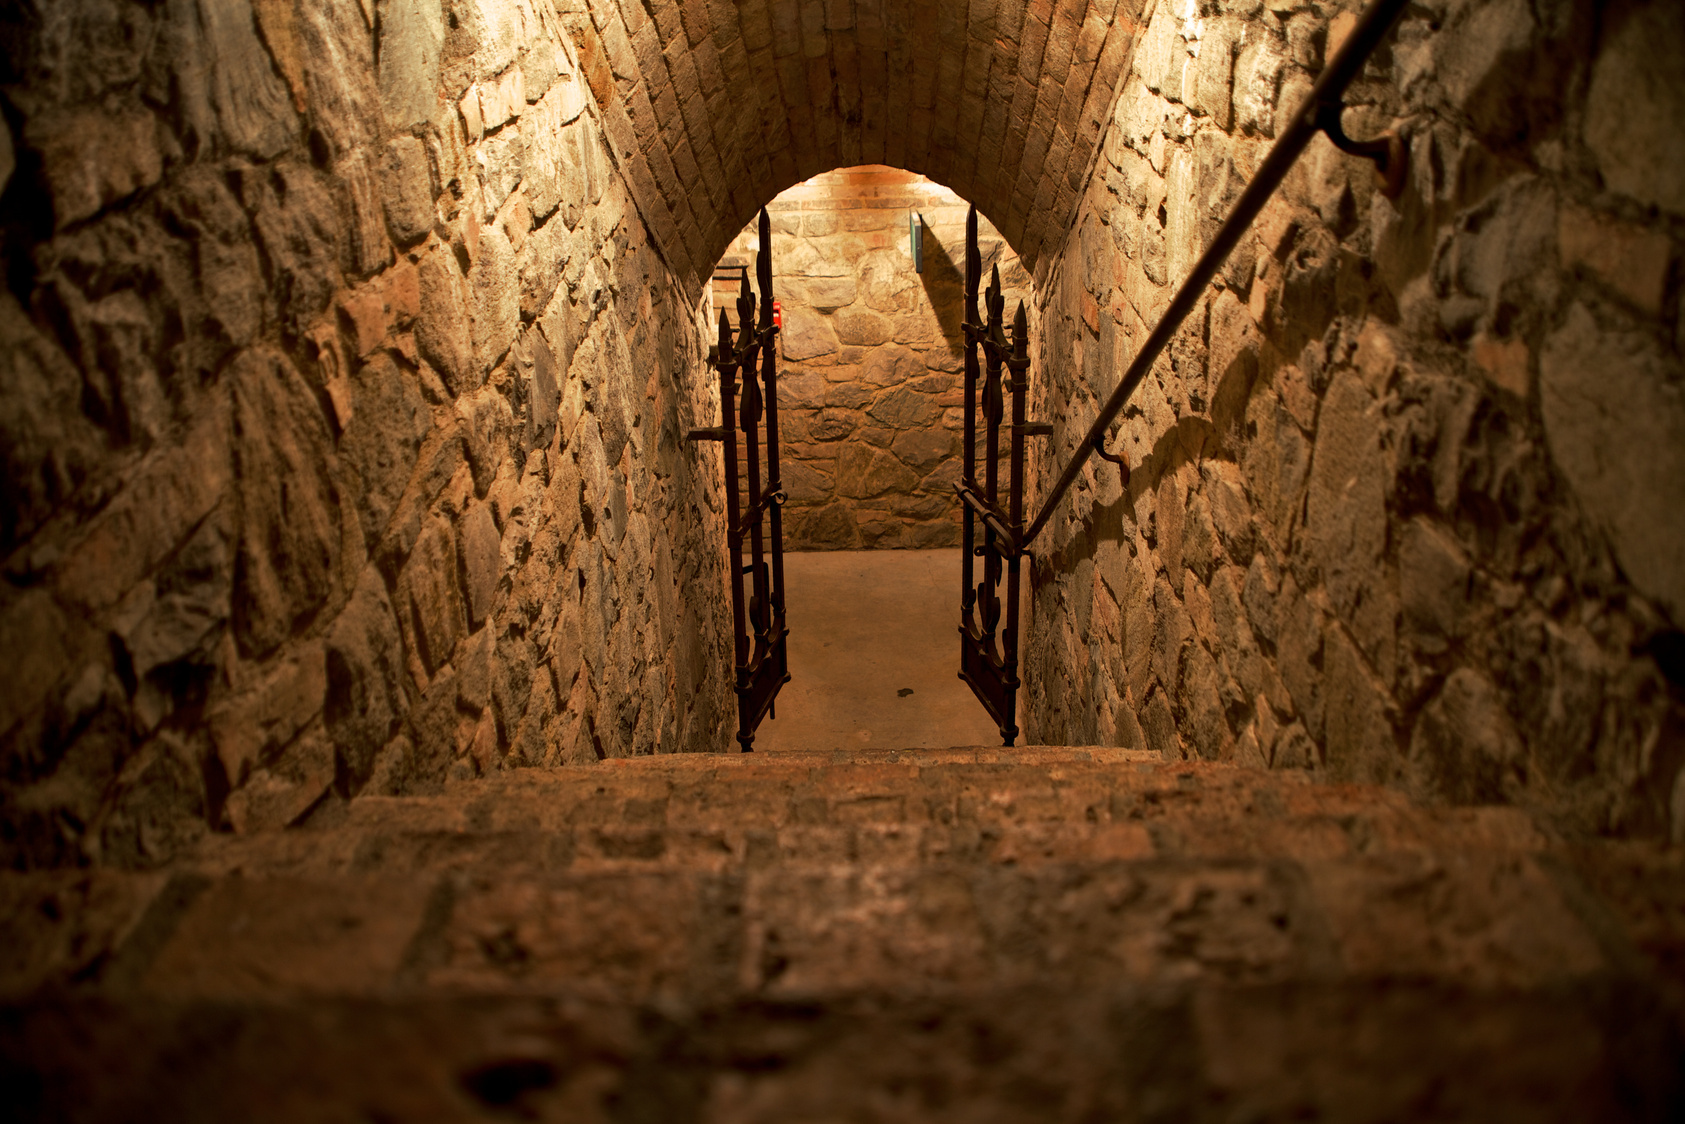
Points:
(871, 383)
(346, 354)
(346, 347)
(983, 934)
(1404, 493)
(342, 392)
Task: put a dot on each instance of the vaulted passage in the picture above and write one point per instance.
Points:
(712, 108)
(366, 599)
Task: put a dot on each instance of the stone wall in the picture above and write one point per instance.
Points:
(1404, 500)
(342, 391)
(871, 382)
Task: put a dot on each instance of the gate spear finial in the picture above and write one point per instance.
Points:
(763, 268)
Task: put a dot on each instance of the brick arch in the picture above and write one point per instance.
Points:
(712, 107)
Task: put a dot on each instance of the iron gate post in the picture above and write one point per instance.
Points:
(760, 659)
(988, 651)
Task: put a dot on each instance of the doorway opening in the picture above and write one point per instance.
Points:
(871, 414)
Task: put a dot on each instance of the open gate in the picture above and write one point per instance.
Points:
(753, 503)
(992, 530)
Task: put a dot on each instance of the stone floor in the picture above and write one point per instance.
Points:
(955, 935)
(874, 654)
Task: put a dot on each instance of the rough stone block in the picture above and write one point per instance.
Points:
(1635, 89)
(503, 99)
(922, 449)
(380, 444)
(277, 798)
(266, 715)
(806, 335)
(1433, 579)
(442, 333)
(494, 279)
(1631, 260)
(1257, 81)
(366, 700)
(290, 529)
(430, 604)
(862, 327)
(502, 164)
(1159, 58)
(1212, 77)
(1346, 518)
(864, 472)
(166, 496)
(891, 365)
(369, 245)
(34, 624)
(488, 424)
(1464, 749)
(1360, 741)
(1615, 423)
(337, 58)
(826, 293)
(91, 158)
(412, 34)
(482, 561)
(904, 409)
(408, 189)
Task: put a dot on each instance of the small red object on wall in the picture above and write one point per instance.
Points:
(777, 314)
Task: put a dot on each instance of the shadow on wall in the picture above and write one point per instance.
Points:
(944, 278)
(944, 285)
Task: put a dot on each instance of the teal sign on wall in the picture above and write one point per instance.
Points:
(915, 237)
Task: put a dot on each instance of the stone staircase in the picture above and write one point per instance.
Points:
(966, 935)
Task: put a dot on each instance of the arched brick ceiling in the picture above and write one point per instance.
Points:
(712, 107)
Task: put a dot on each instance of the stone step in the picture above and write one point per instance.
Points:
(892, 828)
(951, 870)
(1402, 1050)
(1088, 914)
(863, 806)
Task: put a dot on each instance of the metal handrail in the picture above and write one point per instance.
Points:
(1320, 112)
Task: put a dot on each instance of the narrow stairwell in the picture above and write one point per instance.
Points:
(965, 935)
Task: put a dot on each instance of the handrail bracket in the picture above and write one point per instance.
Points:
(1387, 151)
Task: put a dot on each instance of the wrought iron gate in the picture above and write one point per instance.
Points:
(753, 504)
(990, 531)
